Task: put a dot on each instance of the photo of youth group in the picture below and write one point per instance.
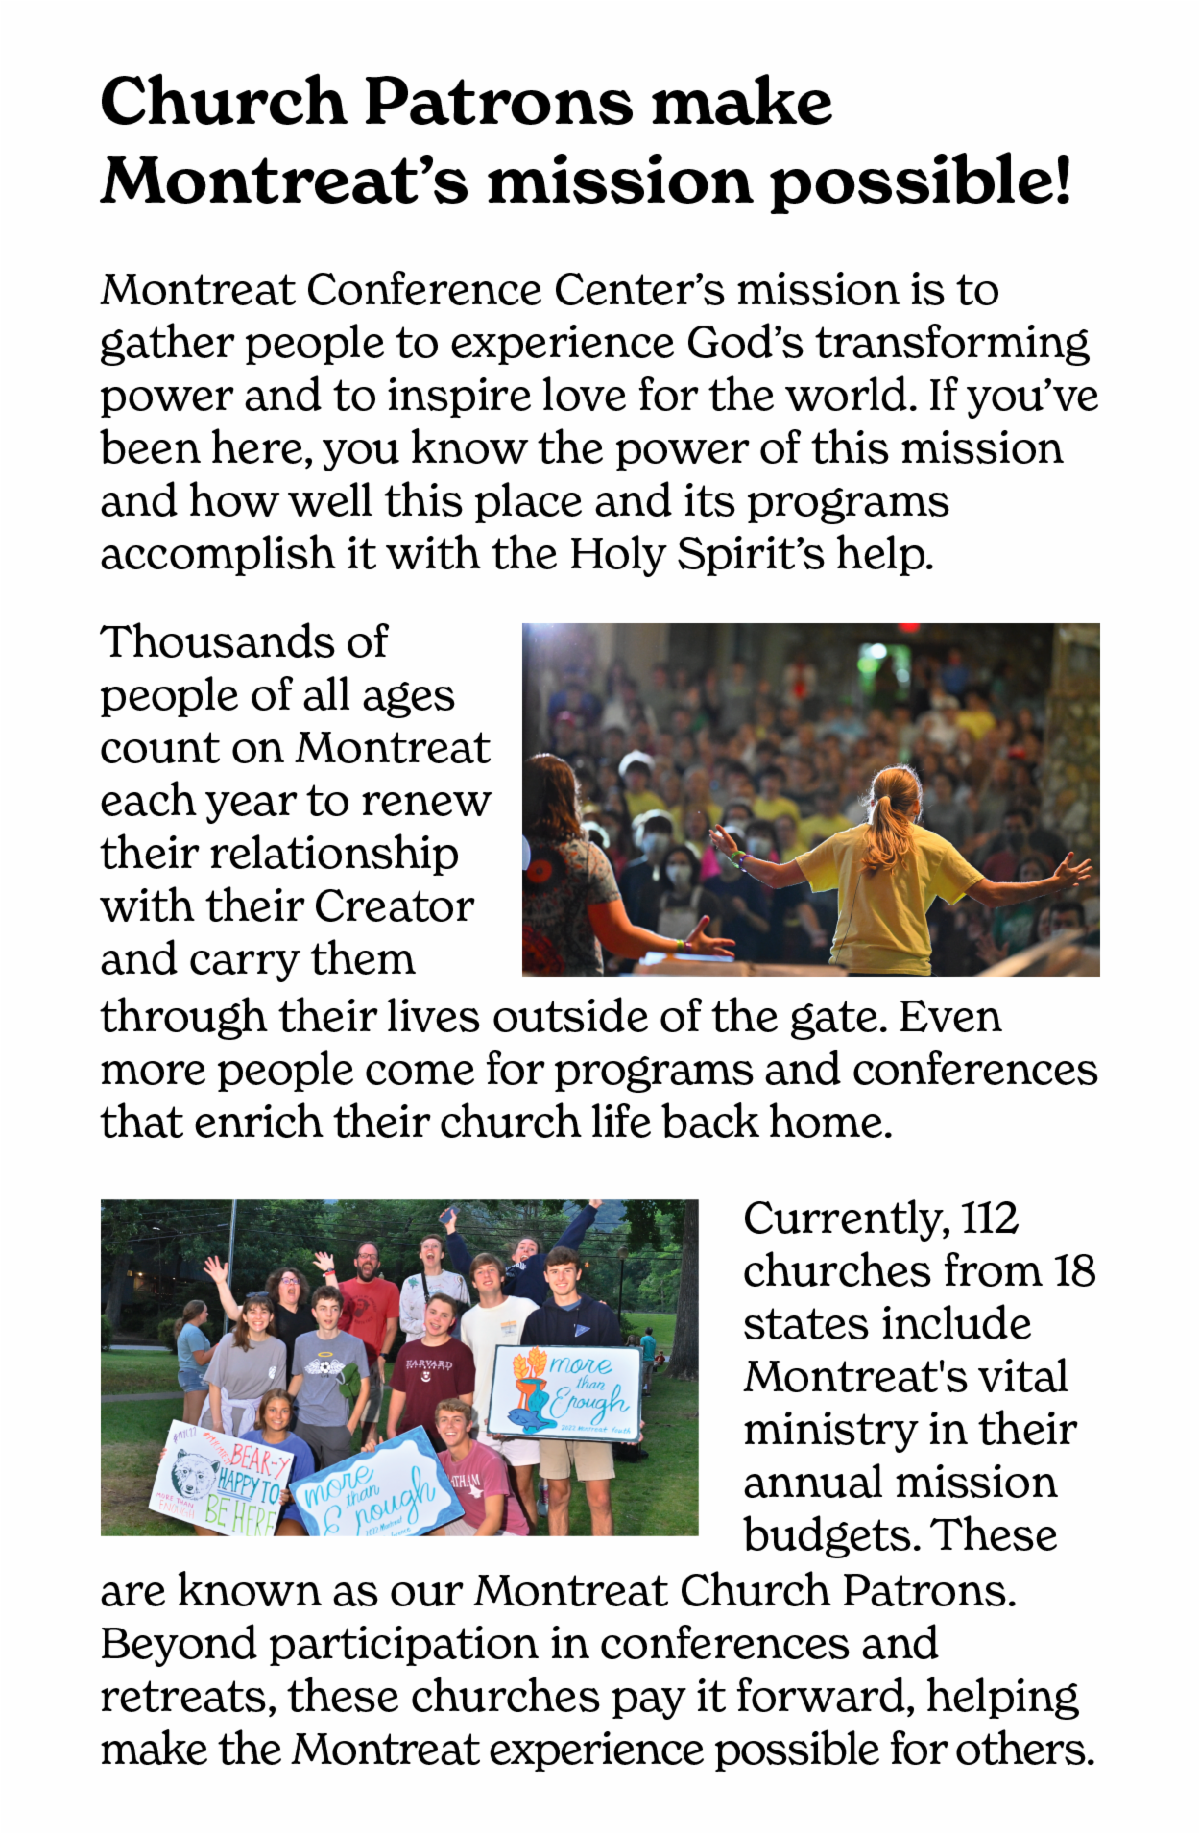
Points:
(875, 799)
(497, 1385)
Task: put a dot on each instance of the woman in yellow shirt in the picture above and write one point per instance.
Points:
(887, 873)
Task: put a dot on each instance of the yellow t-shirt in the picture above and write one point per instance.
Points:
(881, 926)
(771, 811)
(640, 802)
(978, 722)
(677, 814)
(816, 828)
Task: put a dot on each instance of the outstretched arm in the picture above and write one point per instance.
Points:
(575, 1230)
(767, 872)
(612, 928)
(996, 892)
(457, 1252)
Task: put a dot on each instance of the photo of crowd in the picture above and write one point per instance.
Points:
(701, 759)
(335, 1350)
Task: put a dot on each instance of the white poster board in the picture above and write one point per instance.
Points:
(398, 1489)
(553, 1391)
(232, 1486)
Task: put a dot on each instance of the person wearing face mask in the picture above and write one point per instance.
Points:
(743, 903)
(676, 900)
(653, 836)
(571, 909)
(760, 840)
(737, 815)
(799, 931)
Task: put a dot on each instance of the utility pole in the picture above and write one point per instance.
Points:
(229, 1266)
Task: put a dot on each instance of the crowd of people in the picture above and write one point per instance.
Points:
(282, 1376)
(780, 766)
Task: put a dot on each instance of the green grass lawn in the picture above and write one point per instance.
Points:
(138, 1372)
(132, 1434)
(660, 1495)
(661, 1326)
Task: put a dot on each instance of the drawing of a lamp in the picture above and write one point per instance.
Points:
(527, 1376)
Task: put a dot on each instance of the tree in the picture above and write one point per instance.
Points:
(685, 1357)
(680, 1219)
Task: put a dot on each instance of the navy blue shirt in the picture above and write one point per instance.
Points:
(526, 1279)
(589, 1322)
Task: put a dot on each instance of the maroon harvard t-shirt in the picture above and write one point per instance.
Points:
(425, 1375)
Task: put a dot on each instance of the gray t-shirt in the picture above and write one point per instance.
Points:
(321, 1361)
(244, 1375)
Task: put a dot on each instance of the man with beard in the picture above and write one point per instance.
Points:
(370, 1312)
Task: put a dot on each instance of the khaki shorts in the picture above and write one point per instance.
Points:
(592, 1458)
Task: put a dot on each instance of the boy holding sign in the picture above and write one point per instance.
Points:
(497, 1320)
(477, 1477)
(327, 1421)
(568, 1318)
(434, 1368)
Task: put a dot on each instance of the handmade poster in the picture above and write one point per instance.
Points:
(231, 1486)
(398, 1489)
(554, 1392)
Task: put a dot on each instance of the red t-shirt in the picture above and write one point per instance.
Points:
(426, 1374)
(368, 1304)
(481, 1474)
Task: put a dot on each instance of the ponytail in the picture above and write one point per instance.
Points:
(191, 1310)
(894, 806)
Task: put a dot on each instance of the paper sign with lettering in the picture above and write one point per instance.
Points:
(551, 1391)
(231, 1486)
(398, 1489)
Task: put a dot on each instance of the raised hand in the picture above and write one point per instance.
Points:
(216, 1269)
(449, 1221)
(722, 842)
(1071, 876)
(697, 942)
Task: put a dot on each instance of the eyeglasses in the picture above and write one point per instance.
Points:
(259, 1299)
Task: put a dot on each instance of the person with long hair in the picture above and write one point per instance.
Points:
(193, 1351)
(887, 873)
(273, 1427)
(570, 906)
(249, 1360)
(288, 1291)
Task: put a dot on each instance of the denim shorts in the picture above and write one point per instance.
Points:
(192, 1381)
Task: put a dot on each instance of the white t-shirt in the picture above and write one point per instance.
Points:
(484, 1328)
(412, 1299)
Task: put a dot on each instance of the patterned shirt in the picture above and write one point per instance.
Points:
(561, 880)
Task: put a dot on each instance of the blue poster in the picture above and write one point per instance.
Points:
(398, 1489)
